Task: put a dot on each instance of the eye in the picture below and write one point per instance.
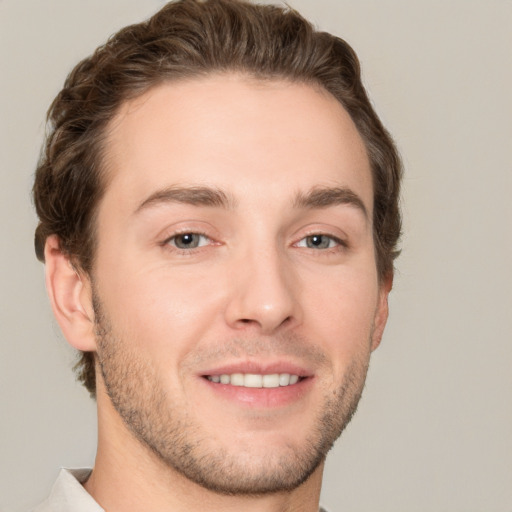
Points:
(188, 241)
(320, 242)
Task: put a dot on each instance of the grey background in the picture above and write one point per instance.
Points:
(434, 429)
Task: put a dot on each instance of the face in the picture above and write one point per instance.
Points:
(235, 285)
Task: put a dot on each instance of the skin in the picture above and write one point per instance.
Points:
(255, 294)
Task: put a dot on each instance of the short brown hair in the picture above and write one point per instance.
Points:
(190, 38)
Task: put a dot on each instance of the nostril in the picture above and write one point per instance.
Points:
(249, 321)
(287, 320)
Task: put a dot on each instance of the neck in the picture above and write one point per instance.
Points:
(129, 477)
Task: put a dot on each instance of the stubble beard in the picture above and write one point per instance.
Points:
(186, 447)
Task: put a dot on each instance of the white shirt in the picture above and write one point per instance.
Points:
(68, 494)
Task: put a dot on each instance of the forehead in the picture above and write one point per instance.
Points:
(253, 138)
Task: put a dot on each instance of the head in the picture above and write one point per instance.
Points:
(183, 40)
(227, 50)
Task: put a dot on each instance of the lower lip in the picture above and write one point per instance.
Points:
(261, 397)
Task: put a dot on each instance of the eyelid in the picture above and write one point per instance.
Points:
(331, 231)
(184, 228)
(177, 235)
(337, 240)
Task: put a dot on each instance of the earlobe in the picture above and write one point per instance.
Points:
(381, 314)
(70, 297)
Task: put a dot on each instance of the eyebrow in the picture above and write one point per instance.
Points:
(195, 196)
(324, 197)
(317, 198)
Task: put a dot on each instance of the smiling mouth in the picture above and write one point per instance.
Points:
(255, 380)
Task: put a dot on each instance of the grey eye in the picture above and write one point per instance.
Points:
(188, 240)
(319, 242)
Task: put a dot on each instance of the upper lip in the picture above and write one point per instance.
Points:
(258, 367)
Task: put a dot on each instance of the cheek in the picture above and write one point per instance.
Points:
(160, 307)
(343, 310)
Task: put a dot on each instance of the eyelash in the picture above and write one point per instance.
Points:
(169, 241)
(339, 243)
(303, 242)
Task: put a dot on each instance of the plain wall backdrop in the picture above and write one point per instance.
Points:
(434, 429)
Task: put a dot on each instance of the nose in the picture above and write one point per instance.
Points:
(264, 294)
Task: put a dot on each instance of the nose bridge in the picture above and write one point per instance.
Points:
(264, 291)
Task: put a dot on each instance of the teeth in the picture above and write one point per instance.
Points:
(271, 381)
(237, 379)
(252, 380)
(284, 379)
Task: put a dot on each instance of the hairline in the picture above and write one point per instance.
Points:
(105, 173)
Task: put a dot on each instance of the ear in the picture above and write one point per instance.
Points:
(70, 296)
(381, 313)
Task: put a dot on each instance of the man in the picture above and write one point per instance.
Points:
(218, 209)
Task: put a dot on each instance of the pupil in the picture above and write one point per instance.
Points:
(318, 242)
(187, 241)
